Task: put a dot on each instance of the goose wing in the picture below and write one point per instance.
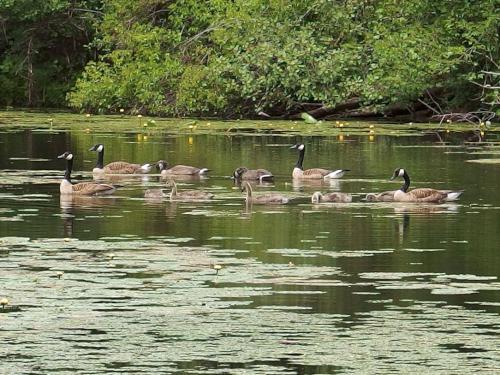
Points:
(315, 173)
(427, 195)
(122, 167)
(92, 188)
(271, 199)
(183, 169)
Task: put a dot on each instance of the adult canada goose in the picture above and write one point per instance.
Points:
(179, 170)
(314, 173)
(270, 198)
(117, 167)
(385, 196)
(187, 195)
(243, 173)
(318, 197)
(82, 188)
(422, 194)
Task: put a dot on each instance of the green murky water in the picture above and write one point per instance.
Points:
(303, 289)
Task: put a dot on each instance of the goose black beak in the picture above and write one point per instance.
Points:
(61, 156)
(294, 146)
(93, 148)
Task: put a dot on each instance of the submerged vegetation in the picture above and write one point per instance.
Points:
(252, 58)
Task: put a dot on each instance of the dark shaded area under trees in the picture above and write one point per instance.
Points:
(274, 58)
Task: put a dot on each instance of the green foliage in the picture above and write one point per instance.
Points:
(42, 49)
(237, 58)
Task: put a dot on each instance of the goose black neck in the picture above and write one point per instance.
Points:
(69, 168)
(100, 159)
(301, 159)
(406, 185)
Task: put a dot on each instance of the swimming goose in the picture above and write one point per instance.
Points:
(179, 170)
(82, 188)
(314, 173)
(117, 167)
(385, 196)
(154, 194)
(187, 195)
(243, 173)
(318, 197)
(422, 194)
(270, 198)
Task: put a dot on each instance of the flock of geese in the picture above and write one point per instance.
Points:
(243, 176)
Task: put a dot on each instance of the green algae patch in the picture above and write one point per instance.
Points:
(55, 122)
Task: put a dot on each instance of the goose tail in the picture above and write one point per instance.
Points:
(203, 171)
(339, 173)
(146, 168)
(266, 177)
(453, 195)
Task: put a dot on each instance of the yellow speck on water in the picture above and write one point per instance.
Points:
(87, 130)
(139, 116)
(145, 138)
(447, 130)
(291, 264)
(217, 268)
(122, 110)
(59, 274)
(448, 121)
(208, 124)
(341, 125)
(111, 255)
(337, 122)
(372, 131)
(190, 141)
(372, 126)
(4, 302)
(482, 133)
(87, 115)
(67, 239)
(371, 138)
(341, 137)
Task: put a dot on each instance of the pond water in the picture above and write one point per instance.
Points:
(124, 284)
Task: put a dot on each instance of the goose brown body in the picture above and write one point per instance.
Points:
(269, 198)
(116, 167)
(179, 170)
(82, 188)
(421, 195)
(385, 196)
(243, 173)
(337, 197)
(187, 195)
(313, 173)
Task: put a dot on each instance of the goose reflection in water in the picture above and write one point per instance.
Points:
(299, 185)
(69, 204)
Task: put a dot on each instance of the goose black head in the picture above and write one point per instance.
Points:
(238, 172)
(98, 147)
(161, 165)
(67, 155)
(298, 146)
(398, 172)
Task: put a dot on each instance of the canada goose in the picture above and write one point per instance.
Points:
(82, 188)
(385, 196)
(187, 195)
(154, 194)
(314, 173)
(243, 173)
(117, 167)
(270, 198)
(318, 197)
(421, 194)
(179, 170)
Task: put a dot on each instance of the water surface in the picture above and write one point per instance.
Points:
(303, 289)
